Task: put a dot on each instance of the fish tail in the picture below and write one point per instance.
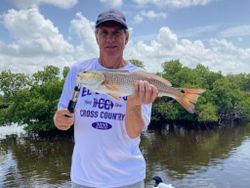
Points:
(189, 98)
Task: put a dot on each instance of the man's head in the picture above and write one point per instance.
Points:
(111, 15)
(111, 33)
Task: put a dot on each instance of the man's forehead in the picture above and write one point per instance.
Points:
(111, 25)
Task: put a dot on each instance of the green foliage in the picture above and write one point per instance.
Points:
(171, 67)
(65, 71)
(207, 77)
(32, 100)
(137, 63)
(181, 76)
(50, 73)
(207, 112)
(163, 109)
(241, 80)
(10, 83)
(3, 111)
(226, 97)
(35, 105)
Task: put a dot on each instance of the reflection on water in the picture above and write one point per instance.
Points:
(31, 162)
(218, 158)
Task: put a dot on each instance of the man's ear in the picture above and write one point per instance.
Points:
(127, 38)
(96, 39)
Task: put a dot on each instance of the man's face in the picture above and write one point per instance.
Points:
(112, 39)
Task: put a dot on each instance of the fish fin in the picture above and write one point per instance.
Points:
(115, 97)
(189, 98)
(153, 77)
(121, 71)
(111, 87)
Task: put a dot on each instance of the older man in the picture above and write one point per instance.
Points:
(107, 156)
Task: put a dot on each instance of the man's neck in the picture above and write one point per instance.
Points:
(112, 63)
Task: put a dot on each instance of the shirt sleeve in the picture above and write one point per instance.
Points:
(146, 114)
(68, 88)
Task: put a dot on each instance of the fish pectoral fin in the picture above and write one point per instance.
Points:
(115, 97)
(118, 71)
(111, 87)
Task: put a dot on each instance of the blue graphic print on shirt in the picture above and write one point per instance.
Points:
(101, 109)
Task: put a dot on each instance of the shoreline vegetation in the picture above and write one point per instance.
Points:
(32, 99)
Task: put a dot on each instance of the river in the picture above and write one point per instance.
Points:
(212, 159)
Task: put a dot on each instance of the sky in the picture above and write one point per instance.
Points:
(214, 33)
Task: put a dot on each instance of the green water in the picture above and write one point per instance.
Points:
(218, 158)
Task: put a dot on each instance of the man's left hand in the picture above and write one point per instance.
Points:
(144, 93)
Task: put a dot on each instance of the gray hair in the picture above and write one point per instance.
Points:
(124, 29)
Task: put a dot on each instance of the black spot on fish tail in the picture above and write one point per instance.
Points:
(182, 91)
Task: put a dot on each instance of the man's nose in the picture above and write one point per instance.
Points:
(110, 37)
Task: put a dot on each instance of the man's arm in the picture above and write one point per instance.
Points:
(144, 93)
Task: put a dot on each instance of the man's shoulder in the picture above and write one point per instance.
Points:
(133, 68)
(85, 64)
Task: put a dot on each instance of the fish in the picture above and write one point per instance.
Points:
(121, 83)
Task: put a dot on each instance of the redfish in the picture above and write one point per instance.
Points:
(121, 83)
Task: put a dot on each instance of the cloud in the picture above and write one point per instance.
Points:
(37, 42)
(34, 34)
(173, 3)
(65, 4)
(150, 14)
(84, 31)
(218, 55)
(112, 3)
(199, 31)
(238, 31)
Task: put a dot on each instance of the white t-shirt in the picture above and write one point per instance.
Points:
(104, 155)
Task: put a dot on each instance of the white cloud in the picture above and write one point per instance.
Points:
(84, 30)
(37, 42)
(138, 18)
(173, 3)
(112, 3)
(219, 55)
(35, 3)
(199, 31)
(34, 34)
(238, 31)
(152, 15)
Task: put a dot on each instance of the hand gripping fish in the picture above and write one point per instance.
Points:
(121, 83)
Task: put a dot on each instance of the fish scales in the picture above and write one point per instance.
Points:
(121, 83)
(126, 81)
(122, 80)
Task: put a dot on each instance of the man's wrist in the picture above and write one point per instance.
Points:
(133, 104)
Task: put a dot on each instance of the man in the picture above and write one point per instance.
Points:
(107, 132)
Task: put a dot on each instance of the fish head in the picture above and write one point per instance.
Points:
(90, 79)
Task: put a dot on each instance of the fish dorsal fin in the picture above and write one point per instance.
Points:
(152, 76)
(116, 71)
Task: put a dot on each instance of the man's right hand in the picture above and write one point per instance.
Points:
(63, 119)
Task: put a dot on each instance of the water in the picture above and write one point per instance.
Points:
(211, 159)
